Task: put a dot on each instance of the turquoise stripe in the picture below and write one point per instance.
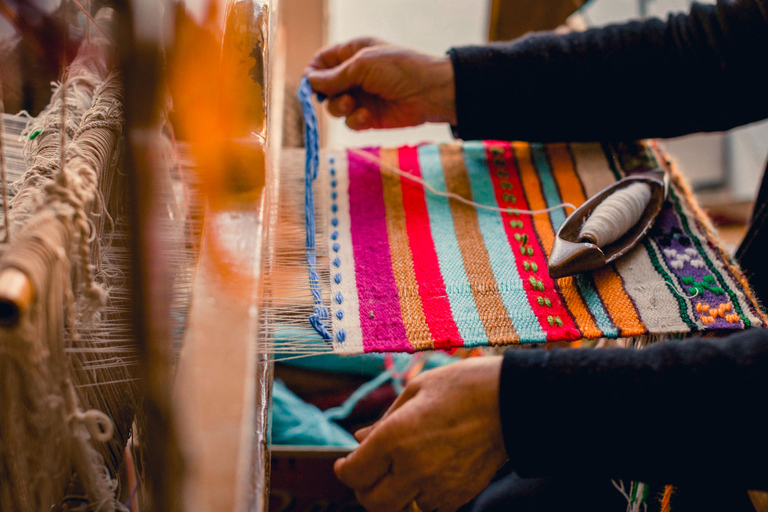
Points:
(500, 252)
(552, 196)
(548, 184)
(457, 286)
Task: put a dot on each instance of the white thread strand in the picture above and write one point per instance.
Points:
(451, 195)
(616, 215)
(674, 290)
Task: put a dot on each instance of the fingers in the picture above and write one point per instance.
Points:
(334, 55)
(364, 466)
(361, 434)
(360, 119)
(424, 503)
(409, 392)
(391, 493)
(346, 76)
(371, 460)
(341, 106)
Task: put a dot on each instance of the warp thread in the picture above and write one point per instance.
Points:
(616, 215)
(450, 195)
(318, 319)
(636, 497)
(53, 217)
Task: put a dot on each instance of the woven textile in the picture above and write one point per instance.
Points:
(411, 270)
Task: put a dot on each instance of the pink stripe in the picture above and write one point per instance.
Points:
(434, 299)
(380, 317)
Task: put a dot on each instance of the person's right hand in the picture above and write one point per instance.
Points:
(378, 85)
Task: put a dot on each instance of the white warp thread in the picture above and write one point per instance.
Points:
(450, 195)
(616, 215)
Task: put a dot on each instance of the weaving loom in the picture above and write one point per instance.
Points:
(403, 268)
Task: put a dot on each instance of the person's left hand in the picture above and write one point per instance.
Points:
(439, 444)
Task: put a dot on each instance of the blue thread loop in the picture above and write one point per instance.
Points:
(319, 319)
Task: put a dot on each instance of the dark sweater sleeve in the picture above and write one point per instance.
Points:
(678, 412)
(703, 71)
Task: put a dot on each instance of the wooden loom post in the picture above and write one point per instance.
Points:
(16, 289)
(142, 67)
(223, 382)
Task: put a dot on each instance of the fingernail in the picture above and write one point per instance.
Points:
(337, 465)
(358, 120)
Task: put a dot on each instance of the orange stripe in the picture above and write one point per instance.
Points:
(607, 281)
(568, 288)
(494, 316)
(402, 262)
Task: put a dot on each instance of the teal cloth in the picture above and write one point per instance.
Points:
(295, 422)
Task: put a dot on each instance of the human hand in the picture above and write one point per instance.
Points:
(439, 444)
(378, 85)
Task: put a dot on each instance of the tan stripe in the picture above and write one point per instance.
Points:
(607, 281)
(568, 288)
(402, 262)
(494, 316)
(592, 167)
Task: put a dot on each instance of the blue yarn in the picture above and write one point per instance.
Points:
(345, 409)
(400, 365)
(319, 319)
(295, 422)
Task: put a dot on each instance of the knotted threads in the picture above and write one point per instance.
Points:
(318, 319)
(616, 215)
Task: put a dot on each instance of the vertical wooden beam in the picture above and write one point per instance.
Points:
(223, 382)
(513, 18)
(142, 63)
(304, 26)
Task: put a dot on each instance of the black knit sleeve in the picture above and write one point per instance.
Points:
(703, 71)
(678, 412)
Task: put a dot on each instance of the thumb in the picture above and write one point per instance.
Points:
(334, 81)
(361, 434)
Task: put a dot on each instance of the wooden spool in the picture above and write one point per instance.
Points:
(16, 295)
(571, 256)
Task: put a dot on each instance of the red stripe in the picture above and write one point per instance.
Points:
(502, 177)
(434, 299)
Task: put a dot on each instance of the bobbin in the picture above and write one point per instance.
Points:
(570, 256)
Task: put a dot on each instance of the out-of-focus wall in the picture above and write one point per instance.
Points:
(427, 25)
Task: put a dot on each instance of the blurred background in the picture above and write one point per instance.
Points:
(724, 168)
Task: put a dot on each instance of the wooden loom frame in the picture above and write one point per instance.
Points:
(216, 419)
(222, 389)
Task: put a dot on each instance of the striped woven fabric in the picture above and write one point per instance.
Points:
(411, 270)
